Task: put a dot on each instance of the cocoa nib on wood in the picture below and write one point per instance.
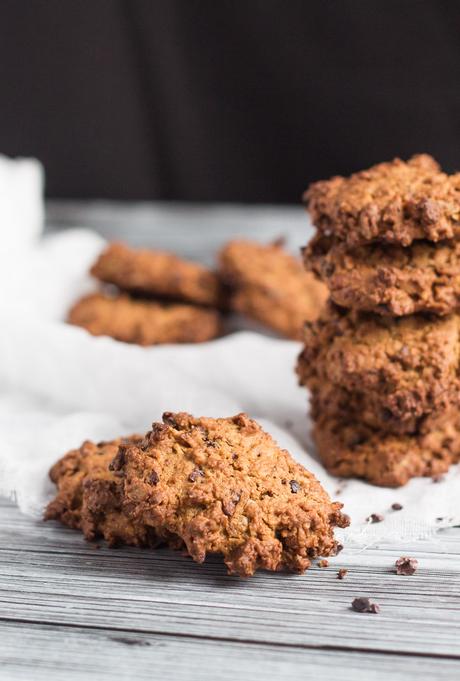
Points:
(362, 604)
(406, 566)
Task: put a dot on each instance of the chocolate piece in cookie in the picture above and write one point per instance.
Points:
(271, 286)
(349, 449)
(403, 369)
(144, 322)
(395, 202)
(158, 274)
(242, 503)
(387, 279)
(90, 496)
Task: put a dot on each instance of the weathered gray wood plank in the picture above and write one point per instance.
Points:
(193, 230)
(41, 652)
(48, 574)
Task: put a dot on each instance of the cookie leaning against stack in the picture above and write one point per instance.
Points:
(207, 485)
(382, 362)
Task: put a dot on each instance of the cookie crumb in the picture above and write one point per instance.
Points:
(323, 563)
(406, 566)
(375, 518)
(397, 507)
(342, 573)
(365, 605)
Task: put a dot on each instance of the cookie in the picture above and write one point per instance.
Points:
(225, 487)
(388, 279)
(90, 496)
(144, 322)
(394, 202)
(347, 405)
(349, 449)
(404, 368)
(271, 286)
(157, 274)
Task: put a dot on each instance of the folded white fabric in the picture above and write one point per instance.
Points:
(60, 386)
(21, 202)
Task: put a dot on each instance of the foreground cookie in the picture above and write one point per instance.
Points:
(271, 286)
(403, 368)
(395, 202)
(144, 322)
(159, 274)
(224, 486)
(349, 449)
(389, 280)
(90, 496)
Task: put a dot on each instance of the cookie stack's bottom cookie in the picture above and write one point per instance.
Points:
(383, 360)
(207, 485)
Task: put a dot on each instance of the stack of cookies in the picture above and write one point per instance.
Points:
(151, 297)
(382, 362)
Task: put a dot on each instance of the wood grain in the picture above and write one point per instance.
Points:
(50, 578)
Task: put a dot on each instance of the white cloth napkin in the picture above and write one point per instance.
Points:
(21, 202)
(60, 386)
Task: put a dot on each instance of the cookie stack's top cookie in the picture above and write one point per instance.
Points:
(382, 362)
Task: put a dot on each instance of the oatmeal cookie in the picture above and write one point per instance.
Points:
(388, 279)
(224, 486)
(144, 322)
(349, 449)
(395, 202)
(271, 286)
(404, 368)
(355, 406)
(157, 274)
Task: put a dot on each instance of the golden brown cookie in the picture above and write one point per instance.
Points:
(90, 496)
(157, 274)
(224, 486)
(403, 368)
(349, 449)
(271, 286)
(356, 406)
(395, 202)
(144, 322)
(387, 279)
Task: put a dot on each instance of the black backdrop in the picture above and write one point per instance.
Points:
(238, 100)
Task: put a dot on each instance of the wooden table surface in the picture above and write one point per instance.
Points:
(72, 611)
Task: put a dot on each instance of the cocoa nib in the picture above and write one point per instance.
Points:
(342, 573)
(154, 478)
(365, 605)
(396, 507)
(195, 474)
(118, 461)
(229, 505)
(406, 566)
(294, 486)
(375, 518)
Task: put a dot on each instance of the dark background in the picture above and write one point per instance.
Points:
(239, 100)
